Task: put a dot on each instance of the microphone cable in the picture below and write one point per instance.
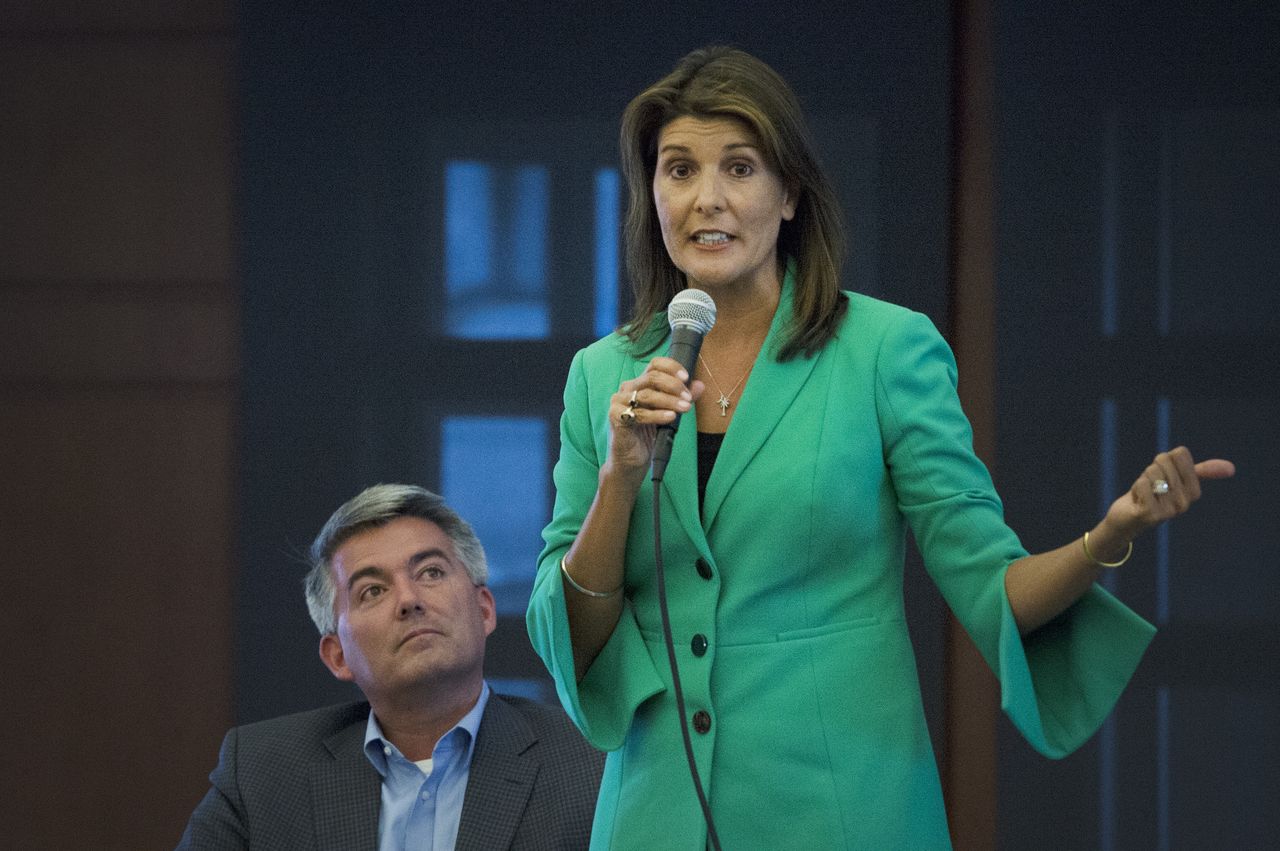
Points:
(660, 575)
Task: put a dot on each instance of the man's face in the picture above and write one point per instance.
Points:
(408, 615)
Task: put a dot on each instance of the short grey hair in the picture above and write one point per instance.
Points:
(373, 508)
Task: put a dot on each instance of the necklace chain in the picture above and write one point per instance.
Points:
(725, 399)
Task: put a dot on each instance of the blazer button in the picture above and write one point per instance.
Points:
(702, 721)
(699, 644)
(704, 569)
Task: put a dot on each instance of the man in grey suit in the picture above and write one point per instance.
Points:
(434, 759)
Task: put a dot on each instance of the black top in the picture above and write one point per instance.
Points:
(708, 449)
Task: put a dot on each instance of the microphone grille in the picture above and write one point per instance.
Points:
(692, 309)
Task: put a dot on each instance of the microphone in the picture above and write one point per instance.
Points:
(690, 315)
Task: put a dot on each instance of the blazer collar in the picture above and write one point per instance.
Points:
(769, 393)
(501, 781)
(346, 792)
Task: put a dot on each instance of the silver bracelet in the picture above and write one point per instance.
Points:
(576, 587)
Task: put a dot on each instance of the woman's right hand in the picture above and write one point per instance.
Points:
(641, 405)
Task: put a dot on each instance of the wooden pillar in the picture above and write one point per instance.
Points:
(118, 398)
(971, 693)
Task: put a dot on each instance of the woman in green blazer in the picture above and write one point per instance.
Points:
(831, 429)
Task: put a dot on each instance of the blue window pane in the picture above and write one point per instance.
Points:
(494, 473)
(495, 266)
(608, 193)
(468, 226)
(529, 223)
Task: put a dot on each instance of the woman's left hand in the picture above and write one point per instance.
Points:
(1040, 587)
(1167, 488)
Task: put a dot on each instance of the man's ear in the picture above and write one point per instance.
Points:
(334, 658)
(488, 609)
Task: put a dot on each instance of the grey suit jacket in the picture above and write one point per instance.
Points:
(303, 782)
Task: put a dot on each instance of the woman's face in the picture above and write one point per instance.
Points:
(719, 203)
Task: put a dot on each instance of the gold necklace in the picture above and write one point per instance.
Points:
(725, 399)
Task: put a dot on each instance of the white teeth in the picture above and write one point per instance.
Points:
(710, 238)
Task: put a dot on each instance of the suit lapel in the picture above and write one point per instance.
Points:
(346, 792)
(765, 399)
(501, 780)
(680, 483)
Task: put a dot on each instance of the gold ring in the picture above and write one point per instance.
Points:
(628, 415)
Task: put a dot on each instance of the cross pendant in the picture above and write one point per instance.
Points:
(723, 402)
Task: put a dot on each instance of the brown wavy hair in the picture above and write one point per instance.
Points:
(723, 82)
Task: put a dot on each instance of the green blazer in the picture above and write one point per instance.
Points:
(792, 575)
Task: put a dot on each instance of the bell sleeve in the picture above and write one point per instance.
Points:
(1057, 683)
(623, 675)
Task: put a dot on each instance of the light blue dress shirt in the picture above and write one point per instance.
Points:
(421, 810)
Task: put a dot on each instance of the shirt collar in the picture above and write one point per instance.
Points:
(376, 746)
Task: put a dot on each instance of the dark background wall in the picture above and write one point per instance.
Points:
(221, 315)
(1138, 168)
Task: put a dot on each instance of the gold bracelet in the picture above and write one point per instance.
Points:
(1093, 558)
(576, 587)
